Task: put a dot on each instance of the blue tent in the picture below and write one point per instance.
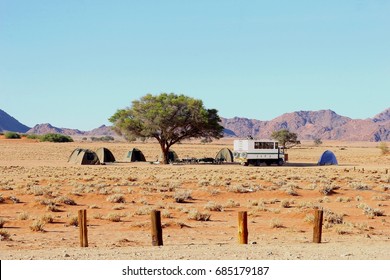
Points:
(328, 158)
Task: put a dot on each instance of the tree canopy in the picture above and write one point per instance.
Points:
(286, 138)
(169, 118)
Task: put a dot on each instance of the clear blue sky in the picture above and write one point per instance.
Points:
(74, 63)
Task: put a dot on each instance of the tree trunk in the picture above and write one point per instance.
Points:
(165, 153)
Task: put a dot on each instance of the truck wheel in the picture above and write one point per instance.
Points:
(280, 162)
(244, 163)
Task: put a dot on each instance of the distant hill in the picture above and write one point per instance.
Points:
(48, 128)
(8, 123)
(309, 125)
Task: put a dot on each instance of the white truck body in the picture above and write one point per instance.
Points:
(258, 151)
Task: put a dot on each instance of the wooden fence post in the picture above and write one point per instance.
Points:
(317, 231)
(83, 228)
(243, 227)
(387, 171)
(157, 235)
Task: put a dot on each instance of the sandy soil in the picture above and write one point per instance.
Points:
(41, 194)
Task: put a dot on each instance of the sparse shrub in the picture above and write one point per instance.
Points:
(33, 136)
(291, 190)
(333, 218)
(384, 148)
(275, 223)
(73, 221)
(2, 222)
(326, 190)
(47, 219)
(360, 186)
(309, 218)
(317, 141)
(116, 198)
(118, 207)
(146, 210)
(198, 216)
(93, 206)
(14, 199)
(1, 198)
(181, 196)
(37, 225)
(4, 235)
(213, 206)
(232, 204)
(12, 135)
(56, 138)
(285, 203)
(23, 216)
(65, 200)
(238, 189)
(52, 208)
(166, 214)
(114, 217)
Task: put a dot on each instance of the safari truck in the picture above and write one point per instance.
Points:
(258, 151)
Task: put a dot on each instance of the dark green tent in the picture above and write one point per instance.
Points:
(84, 157)
(224, 155)
(105, 155)
(172, 156)
(134, 155)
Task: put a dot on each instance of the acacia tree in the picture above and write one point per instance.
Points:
(169, 118)
(286, 138)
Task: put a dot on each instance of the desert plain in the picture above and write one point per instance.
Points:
(41, 193)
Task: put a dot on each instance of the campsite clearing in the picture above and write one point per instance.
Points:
(41, 194)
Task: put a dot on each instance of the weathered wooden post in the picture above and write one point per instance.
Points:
(157, 235)
(317, 231)
(387, 171)
(83, 228)
(243, 227)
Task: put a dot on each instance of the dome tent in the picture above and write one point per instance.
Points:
(105, 155)
(84, 157)
(328, 158)
(134, 155)
(224, 155)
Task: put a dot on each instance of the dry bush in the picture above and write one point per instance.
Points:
(2, 222)
(309, 218)
(47, 219)
(333, 218)
(275, 223)
(213, 206)
(232, 204)
(2, 200)
(118, 207)
(65, 200)
(198, 216)
(14, 199)
(23, 216)
(343, 199)
(181, 196)
(116, 198)
(285, 203)
(113, 217)
(52, 208)
(327, 189)
(359, 186)
(238, 189)
(146, 210)
(73, 221)
(166, 214)
(37, 226)
(4, 235)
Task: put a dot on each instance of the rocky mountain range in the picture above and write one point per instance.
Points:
(309, 125)
(9, 123)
